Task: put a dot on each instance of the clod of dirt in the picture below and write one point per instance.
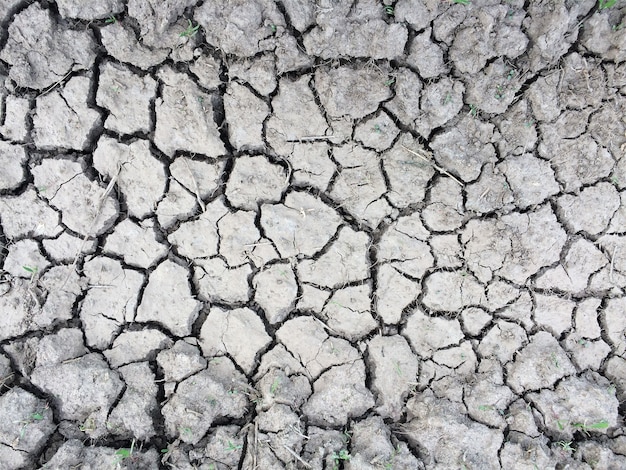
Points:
(85, 206)
(213, 393)
(89, 9)
(347, 312)
(531, 179)
(538, 365)
(276, 387)
(136, 243)
(199, 238)
(445, 209)
(12, 158)
(591, 210)
(25, 426)
(360, 184)
(14, 127)
(553, 29)
(136, 346)
(27, 215)
(338, 395)
(84, 390)
(238, 234)
(156, 18)
(110, 301)
(582, 260)
(403, 247)
(41, 52)
(245, 114)
(515, 247)
(308, 341)
(426, 56)
(578, 162)
(465, 148)
(63, 119)
(132, 417)
(254, 180)
(138, 175)
(394, 369)
(217, 282)
(372, 447)
(354, 92)
(585, 404)
(443, 435)
(275, 290)
(168, 300)
(377, 132)
(428, 334)
(121, 43)
(180, 361)
(73, 453)
(345, 261)
(405, 104)
(394, 293)
(502, 341)
(119, 91)
(342, 31)
(451, 291)
(303, 224)
(295, 116)
(239, 333)
(553, 313)
(184, 117)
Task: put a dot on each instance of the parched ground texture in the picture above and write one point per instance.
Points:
(301, 234)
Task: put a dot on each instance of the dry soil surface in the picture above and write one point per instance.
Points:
(302, 234)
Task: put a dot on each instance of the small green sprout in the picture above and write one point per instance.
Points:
(274, 387)
(462, 2)
(389, 10)
(566, 446)
(273, 28)
(191, 30)
(585, 428)
(473, 110)
(111, 20)
(122, 454)
(448, 98)
(342, 455)
(232, 447)
(604, 4)
(390, 81)
(30, 269)
(485, 407)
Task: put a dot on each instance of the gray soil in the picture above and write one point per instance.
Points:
(299, 234)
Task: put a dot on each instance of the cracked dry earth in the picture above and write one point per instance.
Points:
(319, 235)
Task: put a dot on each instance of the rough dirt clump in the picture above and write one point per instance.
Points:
(280, 234)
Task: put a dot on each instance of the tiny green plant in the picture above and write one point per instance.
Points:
(448, 98)
(124, 453)
(473, 110)
(585, 428)
(274, 387)
(390, 81)
(604, 4)
(566, 446)
(273, 28)
(232, 447)
(342, 456)
(111, 20)
(389, 10)
(191, 30)
(462, 2)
